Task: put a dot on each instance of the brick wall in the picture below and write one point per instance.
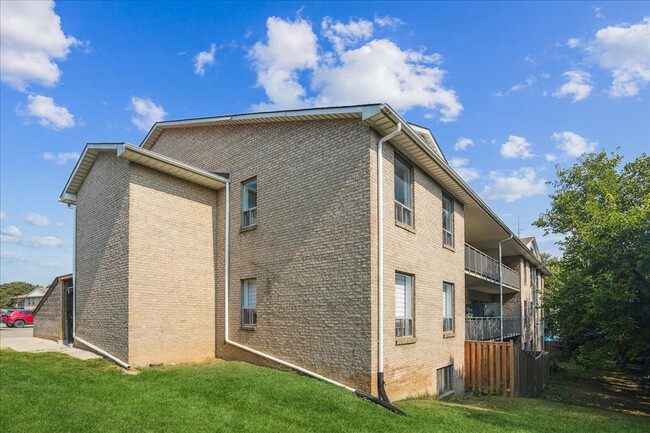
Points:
(102, 256)
(410, 369)
(310, 251)
(171, 269)
(48, 322)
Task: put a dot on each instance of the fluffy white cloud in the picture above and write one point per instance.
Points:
(290, 48)
(31, 42)
(519, 183)
(463, 143)
(516, 147)
(459, 165)
(377, 71)
(204, 58)
(550, 157)
(47, 112)
(578, 85)
(387, 21)
(37, 219)
(11, 231)
(146, 113)
(573, 144)
(61, 157)
(624, 50)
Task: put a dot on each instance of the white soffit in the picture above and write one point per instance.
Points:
(138, 156)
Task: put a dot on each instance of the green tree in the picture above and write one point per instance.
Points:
(598, 301)
(15, 288)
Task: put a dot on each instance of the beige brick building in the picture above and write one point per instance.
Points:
(259, 237)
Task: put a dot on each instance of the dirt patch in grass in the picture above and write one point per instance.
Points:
(614, 391)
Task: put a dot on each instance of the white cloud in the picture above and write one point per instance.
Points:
(459, 165)
(343, 35)
(550, 157)
(37, 219)
(32, 41)
(516, 147)
(204, 58)
(519, 183)
(624, 50)
(573, 42)
(3, 216)
(146, 113)
(11, 231)
(463, 143)
(33, 241)
(294, 75)
(61, 157)
(387, 21)
(517, 87)
(578, 85)
(573, 144)
(290, 48)
(47, 112)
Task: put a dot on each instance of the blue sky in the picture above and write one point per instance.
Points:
(508, 89)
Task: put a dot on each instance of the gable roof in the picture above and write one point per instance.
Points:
(49, 290)
(139, 156)
(415, 141)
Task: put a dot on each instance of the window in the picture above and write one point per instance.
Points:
(403, 199)
(447, 220)
(447, 307)
(445, 376)
(248, 302)
(403, 305)
(249, 205)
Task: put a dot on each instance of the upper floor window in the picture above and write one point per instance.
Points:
(447, 220)
(403, 305)
(248, 302)
(447, 307)
(403, 198)
(249, 205)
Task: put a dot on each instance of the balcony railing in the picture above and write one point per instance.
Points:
(489, 328)
(481, 265)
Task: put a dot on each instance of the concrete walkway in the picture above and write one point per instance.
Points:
(23, 340)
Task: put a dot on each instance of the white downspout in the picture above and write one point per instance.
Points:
(380, 258)
(501, 284)
(74, 299)
(357, 392)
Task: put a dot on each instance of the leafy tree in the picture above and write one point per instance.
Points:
(599, 299)
(9, 290)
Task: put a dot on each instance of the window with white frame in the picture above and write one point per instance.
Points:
(445, 379)
(447, 220)
(447, 307)
(248, 302)
(403, 196)
(249, 205)
(403, 305)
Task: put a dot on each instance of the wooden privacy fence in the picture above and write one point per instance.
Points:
(493, 367)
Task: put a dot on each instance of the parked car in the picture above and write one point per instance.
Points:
(18, 318)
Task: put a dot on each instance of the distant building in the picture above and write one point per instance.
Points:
(30, 300)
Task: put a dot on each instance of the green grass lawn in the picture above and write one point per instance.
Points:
(51, 392)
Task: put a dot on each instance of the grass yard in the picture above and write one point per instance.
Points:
(50, 392)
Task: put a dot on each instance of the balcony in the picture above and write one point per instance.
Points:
(480, 265)
(489, 328)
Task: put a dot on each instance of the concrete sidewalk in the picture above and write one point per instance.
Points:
(23, 340)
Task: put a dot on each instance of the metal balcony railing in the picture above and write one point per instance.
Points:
(489, 328)
(481, 265)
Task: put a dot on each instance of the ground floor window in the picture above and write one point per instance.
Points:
(403, 305)
(447, 307)
(445, 379)
(248, 302)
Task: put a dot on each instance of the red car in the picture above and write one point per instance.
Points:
(18, 318)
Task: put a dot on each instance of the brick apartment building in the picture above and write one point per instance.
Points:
(269, 237)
